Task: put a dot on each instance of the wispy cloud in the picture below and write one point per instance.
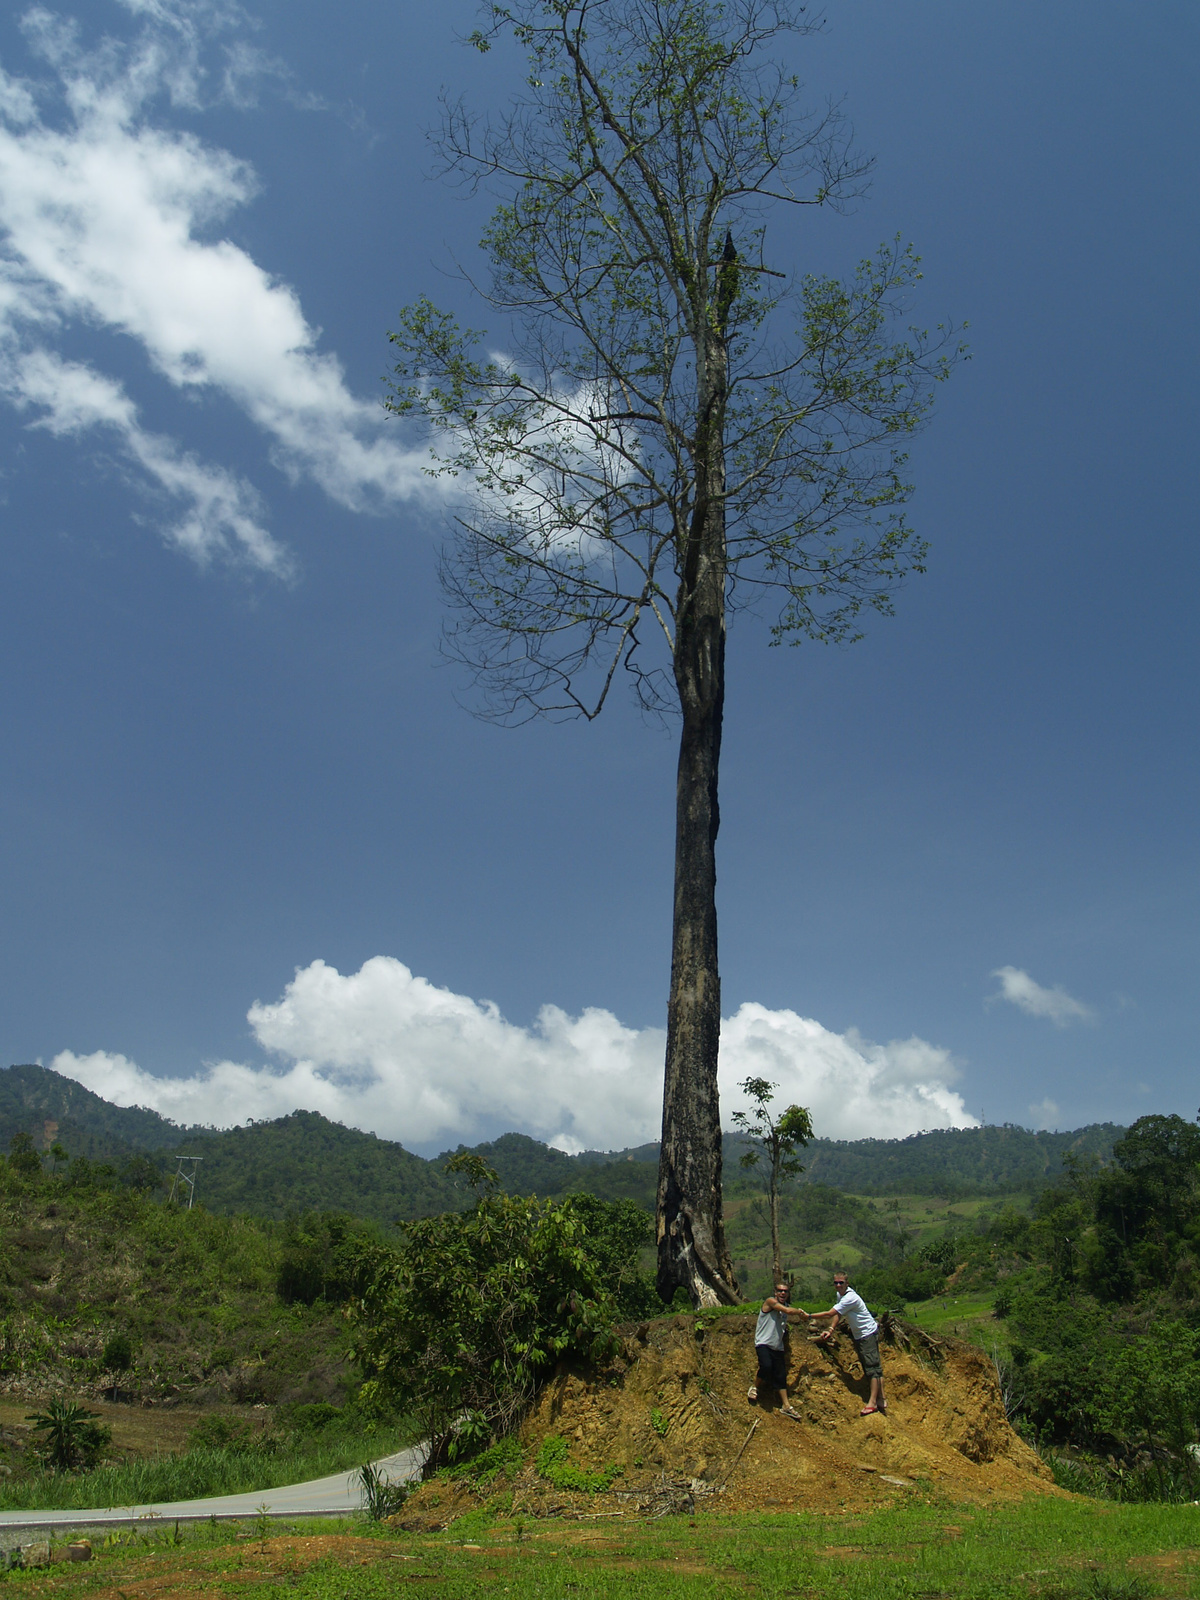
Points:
(220, 510)
(385, 1050)
(1055, 1004)
(1045, 1113)
(110, 218)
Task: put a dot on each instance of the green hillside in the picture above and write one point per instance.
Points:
(950, 1161)
(43, 1103)
(304, 1162)
(192, 1295)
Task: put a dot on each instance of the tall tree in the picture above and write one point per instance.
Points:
(666, 426)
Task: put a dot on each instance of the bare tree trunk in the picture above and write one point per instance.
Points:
(776, 1252)
(692, 1254)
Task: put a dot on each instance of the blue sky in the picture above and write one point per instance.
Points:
(252, 851)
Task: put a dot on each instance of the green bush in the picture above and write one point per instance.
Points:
(318, 1260)
(118, 1353)
(311, 1418)
(459, 1326)
(504, 1456)
(233, 1434)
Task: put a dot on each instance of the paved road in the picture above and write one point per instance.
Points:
(338, 1496)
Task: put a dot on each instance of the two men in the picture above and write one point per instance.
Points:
(771, 1329)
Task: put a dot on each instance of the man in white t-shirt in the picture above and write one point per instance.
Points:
(864, 1330)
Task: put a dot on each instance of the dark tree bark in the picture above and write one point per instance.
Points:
(692, 1254)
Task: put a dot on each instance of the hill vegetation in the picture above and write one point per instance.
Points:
(106, 1290)
(50, 1107)
(305, 1162)
(1093, 1276)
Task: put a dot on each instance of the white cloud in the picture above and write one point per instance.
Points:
(221, 512)
(106, 220)
(854, 1089)
(1045, 1114)
(385, 1050)
(1032, 998)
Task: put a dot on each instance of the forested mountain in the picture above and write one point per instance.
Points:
(305, 1162)
(955, 1161)
(47, 1106)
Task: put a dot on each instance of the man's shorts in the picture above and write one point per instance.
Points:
(868, 1354)
(772, 1367)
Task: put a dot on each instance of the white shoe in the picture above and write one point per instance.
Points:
(752, 1394)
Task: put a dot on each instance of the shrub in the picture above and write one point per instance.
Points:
(118, 1354)
(224, 1433)
(503, 1456)
(381, 1497)
(460, 1325)
(23, 1158)
(319, 1259)
(312, 1418)
(71, 1437)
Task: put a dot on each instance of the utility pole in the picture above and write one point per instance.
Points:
(181, 1177)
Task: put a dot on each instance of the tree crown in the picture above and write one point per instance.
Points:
(650, 340)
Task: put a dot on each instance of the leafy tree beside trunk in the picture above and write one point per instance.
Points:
(666, 425)
(777, 1140)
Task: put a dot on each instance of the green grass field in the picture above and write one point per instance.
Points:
(203, 1471)
(1060, 1549)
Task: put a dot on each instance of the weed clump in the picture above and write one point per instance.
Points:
(554, 1464)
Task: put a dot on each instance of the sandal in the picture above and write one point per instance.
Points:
(752, 1394)
(790, 1411)
(868, 1411)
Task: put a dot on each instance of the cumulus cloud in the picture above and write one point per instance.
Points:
(385, 1050)
(107, 219)
(1035, 1001)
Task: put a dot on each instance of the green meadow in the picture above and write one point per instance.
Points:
(923, 1550)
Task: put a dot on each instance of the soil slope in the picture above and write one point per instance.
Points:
(672, 1413)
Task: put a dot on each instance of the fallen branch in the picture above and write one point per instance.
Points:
(740, 1453)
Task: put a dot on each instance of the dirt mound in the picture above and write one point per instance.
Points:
(672, 1413)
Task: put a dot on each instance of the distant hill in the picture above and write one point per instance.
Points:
(305, 1162)
(955, 1161)
(46, 1105)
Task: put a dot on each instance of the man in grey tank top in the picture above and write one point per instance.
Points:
(769, 1335)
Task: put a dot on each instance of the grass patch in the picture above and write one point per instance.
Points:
(206, 1469)
(1036, 1550)
(959, 1315)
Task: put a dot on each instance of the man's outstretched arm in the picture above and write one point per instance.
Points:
(789, 1311)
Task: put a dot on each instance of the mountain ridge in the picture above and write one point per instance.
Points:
(304, 1161)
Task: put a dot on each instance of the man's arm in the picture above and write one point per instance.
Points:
(789, 1311)
(820, 1316)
